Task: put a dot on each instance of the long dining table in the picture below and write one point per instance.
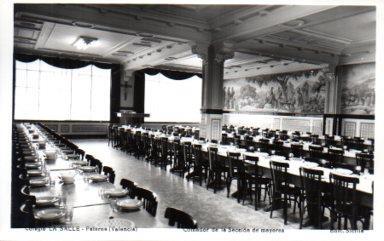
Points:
(364, 188)
(91, 210)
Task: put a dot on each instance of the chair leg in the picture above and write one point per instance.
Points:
(301, 212)
(229, 182)
(285, 211)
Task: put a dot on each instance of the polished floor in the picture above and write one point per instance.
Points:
(209, 209)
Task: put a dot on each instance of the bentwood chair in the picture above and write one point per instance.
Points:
(311, 183)
(149, 200)
(256, 180)
(236, 171)
(128, 185)
(199, 169)
(344, 203)
(178, 158)
(180, 218)
(216, 170)
(365, 161)
(108, 171)
(283, 190)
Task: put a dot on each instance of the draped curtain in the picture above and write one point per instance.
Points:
(171, 74)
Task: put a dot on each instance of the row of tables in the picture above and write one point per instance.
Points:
(90, 208)
(364, 187)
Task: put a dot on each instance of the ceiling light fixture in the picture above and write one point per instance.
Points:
(84, 42)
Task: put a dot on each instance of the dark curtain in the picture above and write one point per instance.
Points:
(175, 75)
(61, 62)
(116, 72)
(65, 63)
(138, 98)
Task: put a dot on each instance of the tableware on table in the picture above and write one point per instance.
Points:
(50, 154)
(32, 165)
(310, 164)
(50, 214)
(35, 172)
(67, 178)
(97, 178)
(342, 171)
(115, 193)
(46, 201)
(39, 182)
(87, 168)
(79, 163)
(30, 158)
(129, 204)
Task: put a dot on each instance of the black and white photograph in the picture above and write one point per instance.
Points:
(163, 120)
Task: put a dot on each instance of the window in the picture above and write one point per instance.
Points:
(168, 100)
(45, 92)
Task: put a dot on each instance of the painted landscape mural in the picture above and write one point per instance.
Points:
(297, 92)
(358, 89)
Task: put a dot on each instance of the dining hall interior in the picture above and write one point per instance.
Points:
(193, 116)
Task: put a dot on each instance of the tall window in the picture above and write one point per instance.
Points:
(45, 92)
(168, 100)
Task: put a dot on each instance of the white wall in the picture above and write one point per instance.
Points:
(293, 123)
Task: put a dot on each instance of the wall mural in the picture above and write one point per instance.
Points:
(358, 89)
(296, 92)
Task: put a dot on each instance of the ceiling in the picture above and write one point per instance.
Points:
(264, 38)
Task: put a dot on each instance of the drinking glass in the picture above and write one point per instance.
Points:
(68, 213)
(113, 204)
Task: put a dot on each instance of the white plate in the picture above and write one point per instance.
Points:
(32, 165)
(87, 168)
(30, 158)
(47, 200)
(50, 214)
(80, 163)
(34, 173)
(40, 182)
(117, 192)
(342, 171)
(129, 204)
(98, 178)
(310, 164)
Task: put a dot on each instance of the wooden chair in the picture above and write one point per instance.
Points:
(344, 203)
(180, 218)
(130, 186)
(283, 190)
(256, 180)
(149, 200)
(311, 183)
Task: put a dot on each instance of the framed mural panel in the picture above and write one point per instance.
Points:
(358, 89)
(301, 92)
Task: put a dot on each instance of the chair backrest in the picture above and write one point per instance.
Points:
(97, 163)
(212, 157)
(365, 160)
(149, 200)
(297, 150)
(279, 175)
(128, 185)
(255, 169)
(180, 218)
(197, 154)
(344, 192)
(187, 151)
(235, 164)
(80, 152)
(311, 182)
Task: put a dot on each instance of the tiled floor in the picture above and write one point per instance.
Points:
(209, 209)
